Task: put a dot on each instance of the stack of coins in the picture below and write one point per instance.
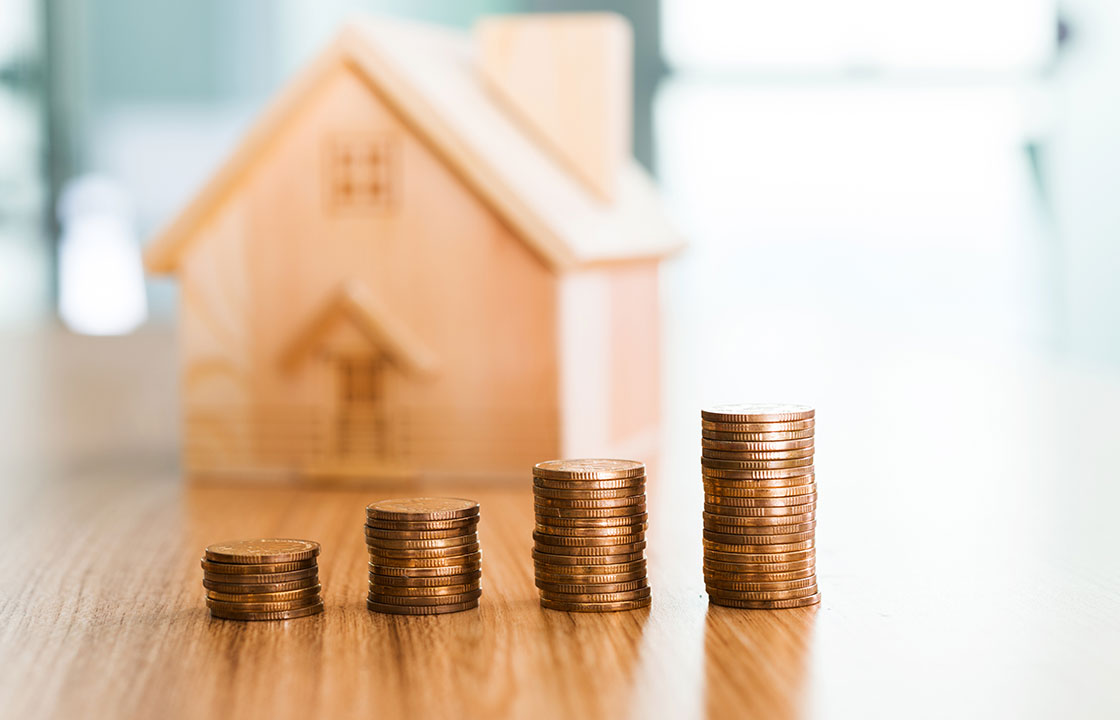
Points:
(590, 544)
(760, 500)
(265, 579)
(423, 556)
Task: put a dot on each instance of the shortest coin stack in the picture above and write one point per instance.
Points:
(265, 579)
(424, 556)
(589, 550)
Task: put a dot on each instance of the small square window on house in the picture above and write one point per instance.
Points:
(361, 173)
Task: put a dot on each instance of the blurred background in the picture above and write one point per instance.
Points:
(878, 174)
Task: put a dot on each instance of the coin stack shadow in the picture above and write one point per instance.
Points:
(589, 552)
(760, 500)
(424, 556)
(264, 579)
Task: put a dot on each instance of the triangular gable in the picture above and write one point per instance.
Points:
(428, 75)
(355, 303)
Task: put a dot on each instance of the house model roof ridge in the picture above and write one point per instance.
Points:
(428, 75)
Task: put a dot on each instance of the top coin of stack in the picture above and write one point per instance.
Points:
(424, 556)
(760, 501)
(589, 551)
(264, 579)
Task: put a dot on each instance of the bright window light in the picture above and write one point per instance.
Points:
(101, 279)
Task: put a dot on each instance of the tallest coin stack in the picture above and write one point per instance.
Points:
(760, 501)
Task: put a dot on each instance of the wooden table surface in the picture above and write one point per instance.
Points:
(967, 562)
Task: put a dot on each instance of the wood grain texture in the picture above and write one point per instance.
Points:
(103, 616)
(966, 561)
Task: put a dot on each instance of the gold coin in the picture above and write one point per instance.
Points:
(540, 493)
(757, 412)
(420, 600)
(749, 444)
(748, 557)
(718, 538)
(756, 522)
(546, 570)
(590, 513)
(586, 542)
(431, 571)
(403, 581)
(261, 551)
(418, 553)
(595, 607)
(708, 446)
(750, 448)
(421, 610)
(638, 502)
(599, 583)
(767, 605)
(740, 586)
(751, 464)
(421, 509)
(762, 595)
(758, 568)
(424, 601)
(585, 532)
(756, 530)
(589, 597)
(591, 523)
(589, 469)
(373, 532)
(217, 568)
(719, 483)
(761, 426)
(574, 532)
(592, 550)
(260, 587)
(589, 484)
(796, 495)
(268, 579)
(715, 577)
(594, 589)
(434, 591)
(757, 437)
(262, 606)
(465, 562)
(285, 596)
(743, 471)
(586, 561)
(754, 505)
(277, 615)
(755, 558)
(758, 548)
(462, 524)
(431, 544)
(728, 488)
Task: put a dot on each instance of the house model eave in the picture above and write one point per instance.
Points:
(428, 75)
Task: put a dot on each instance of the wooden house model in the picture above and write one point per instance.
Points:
(432, 255)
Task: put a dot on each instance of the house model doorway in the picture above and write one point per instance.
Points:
(359, 361)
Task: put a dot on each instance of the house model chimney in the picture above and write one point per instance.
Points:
(568, 80)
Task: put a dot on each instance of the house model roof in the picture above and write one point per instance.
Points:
(429, 75)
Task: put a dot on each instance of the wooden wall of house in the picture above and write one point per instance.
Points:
(635, 362)
(402, 224)
(610, 361)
